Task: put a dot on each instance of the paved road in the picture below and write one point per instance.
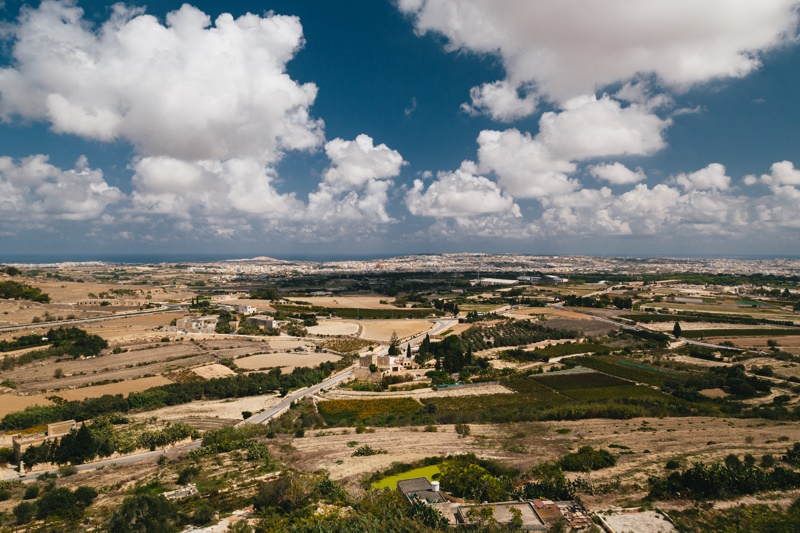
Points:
(277, 409)
(89, 320)
(441, 324)
(128, 459)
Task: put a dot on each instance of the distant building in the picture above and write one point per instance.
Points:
(244, 309)
(197, 324)
(419, 488)
(530, 279)
(57, 429)
(263, 322)
(492, 281)
(549, 278)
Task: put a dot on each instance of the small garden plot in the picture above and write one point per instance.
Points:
(632, 370)
(391, 481)
(352, 411)
(578, 381)
(526, 385)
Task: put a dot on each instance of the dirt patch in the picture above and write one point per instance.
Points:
(222, 409)
(334, 327)
(213, 371)
(287, 361)
(713, 393)
(639, 521)
(527, 312)
(420, 393)
(381, 330)
(350, 302)
(330, 450)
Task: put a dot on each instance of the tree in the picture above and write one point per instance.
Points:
(676, 331)
(144, 513)
(408, 350)
(58, 373)
(394, 344)
(24, 512)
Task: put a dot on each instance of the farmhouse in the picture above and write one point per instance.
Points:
(262, 322)
(194, 324)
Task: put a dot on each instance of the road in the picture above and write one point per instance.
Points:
(89, 320)
(441, 324)
(284, 404)
(687, 341)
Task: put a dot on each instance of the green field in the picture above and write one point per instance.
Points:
(743, 332)
(391, 481)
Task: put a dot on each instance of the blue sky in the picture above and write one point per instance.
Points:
(393, 127)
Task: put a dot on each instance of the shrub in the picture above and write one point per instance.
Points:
(672, 464)
(31, 492)
(24, 512)
(587, 459)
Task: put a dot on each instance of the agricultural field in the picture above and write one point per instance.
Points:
(287, 361)
(381, 330)
(336, 411)
(334, 327)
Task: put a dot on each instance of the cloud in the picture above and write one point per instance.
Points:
(459, 194)
(575, 47)
(501, 101)
(32, 192)
(710, 178)
(617, 173)
(782, 173)
(353, 163)
(189, 89)
(411, 108)
(589, 127)
(523, 165)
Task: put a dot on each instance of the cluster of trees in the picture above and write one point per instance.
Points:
(267, 293)
(732, 379)
(56, 502)
(14, 290)
(452, 355)
(63, 341)
(466, 476)
(173, 394)
(602, 301)
(101, 439)
(447, 306)
(727, 479)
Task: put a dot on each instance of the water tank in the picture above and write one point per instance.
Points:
(435, 486)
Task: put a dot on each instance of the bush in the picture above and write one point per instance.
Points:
(463, 430)
(672, 464)
(31, 492)
(24, 512)
(587, 459)
(66, 471)
(188, 474)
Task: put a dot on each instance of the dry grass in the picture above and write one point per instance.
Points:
(213, 371)
(334, 327)
(381, 330)
(287, 361)
(11, 403)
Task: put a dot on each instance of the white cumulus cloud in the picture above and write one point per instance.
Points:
(617, 173)
(33, 191)
(710, 178)
(574, 47)
(459, 194)
(524, 166)
(589, 127)
(353, 163)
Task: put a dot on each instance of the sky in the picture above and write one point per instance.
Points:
(622, 127)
